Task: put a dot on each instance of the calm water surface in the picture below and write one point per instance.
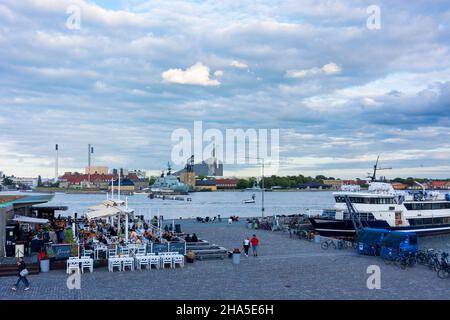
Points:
(207, 203)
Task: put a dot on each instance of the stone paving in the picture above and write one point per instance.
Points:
(286, 269)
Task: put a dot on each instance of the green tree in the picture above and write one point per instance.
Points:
(7, 181)
(242, 184)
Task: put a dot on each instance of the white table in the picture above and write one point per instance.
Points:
(99, 249)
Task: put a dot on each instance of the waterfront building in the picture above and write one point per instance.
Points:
(78, 180)
(96, 169)
(440, 185)
(27, 182)
(227, 183)
(335, 184)
(141, 174)
(12, 206)
(399, 186)
(205, 185)
(314, 186)
(140, 184)
(188, 178)
(126, 186)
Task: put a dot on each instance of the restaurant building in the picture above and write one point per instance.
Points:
(20, 207)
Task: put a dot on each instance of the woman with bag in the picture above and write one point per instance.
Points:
(23, 272)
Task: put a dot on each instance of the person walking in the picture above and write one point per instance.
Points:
(255, 243)
(246, 246)
(22, 273)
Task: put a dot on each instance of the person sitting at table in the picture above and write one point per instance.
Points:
(133, 235)
(188, 238)
(113, 232)
(194, 238)
(101, 238)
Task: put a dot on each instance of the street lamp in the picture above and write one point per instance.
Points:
(262, 183)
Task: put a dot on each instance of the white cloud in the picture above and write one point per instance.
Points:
(218, 73)
(238, 64)
(328, 69)
(198, 74)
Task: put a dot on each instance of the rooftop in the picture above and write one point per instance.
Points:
(9, 200)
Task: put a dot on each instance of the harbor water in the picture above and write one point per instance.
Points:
(205, 204)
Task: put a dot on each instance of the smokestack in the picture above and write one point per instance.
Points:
(56, 163)
(89, 162)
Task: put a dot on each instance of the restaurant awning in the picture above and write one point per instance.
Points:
(103, 213)
(30, 220)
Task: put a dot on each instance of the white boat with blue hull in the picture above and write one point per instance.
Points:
(423, 212)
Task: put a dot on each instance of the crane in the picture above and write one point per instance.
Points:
(373, 177)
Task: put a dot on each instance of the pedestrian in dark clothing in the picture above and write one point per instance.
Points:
(194, 238)
(22, 273)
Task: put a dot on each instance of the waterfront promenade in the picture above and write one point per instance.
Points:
(286, 269)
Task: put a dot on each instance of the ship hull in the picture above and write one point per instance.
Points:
(345, 228)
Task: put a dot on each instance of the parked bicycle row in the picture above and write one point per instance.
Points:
(433, 259)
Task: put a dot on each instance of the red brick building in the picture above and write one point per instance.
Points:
(226, 183)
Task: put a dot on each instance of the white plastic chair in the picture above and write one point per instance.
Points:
(155, 261)
(87, 263)
(112, 253)
(128, 263)
(73, 266)
(125, 251)
(114, 263)
(88, 253)
(166, 259)
(178, 259)
(142, 261)
(141, 251)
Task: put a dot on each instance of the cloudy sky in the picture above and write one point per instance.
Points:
(340, 93)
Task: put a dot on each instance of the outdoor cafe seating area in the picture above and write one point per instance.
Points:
(130, 257)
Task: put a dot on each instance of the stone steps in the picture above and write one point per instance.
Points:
(8, 270)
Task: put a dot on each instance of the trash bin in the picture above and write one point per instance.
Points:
(45, 265)
(236, 257)
(316, 238)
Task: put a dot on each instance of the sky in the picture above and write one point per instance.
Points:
(340, 93)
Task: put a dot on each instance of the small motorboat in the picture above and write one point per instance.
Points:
(252, 200)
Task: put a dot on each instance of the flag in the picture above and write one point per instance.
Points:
(92, 149)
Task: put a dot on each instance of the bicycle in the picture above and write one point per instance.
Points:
(407, 259)
(444, 270)
(327, 243)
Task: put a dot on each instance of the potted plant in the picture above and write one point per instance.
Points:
(70, 239)
(190, 256)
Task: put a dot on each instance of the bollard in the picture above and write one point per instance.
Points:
(317, 238)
